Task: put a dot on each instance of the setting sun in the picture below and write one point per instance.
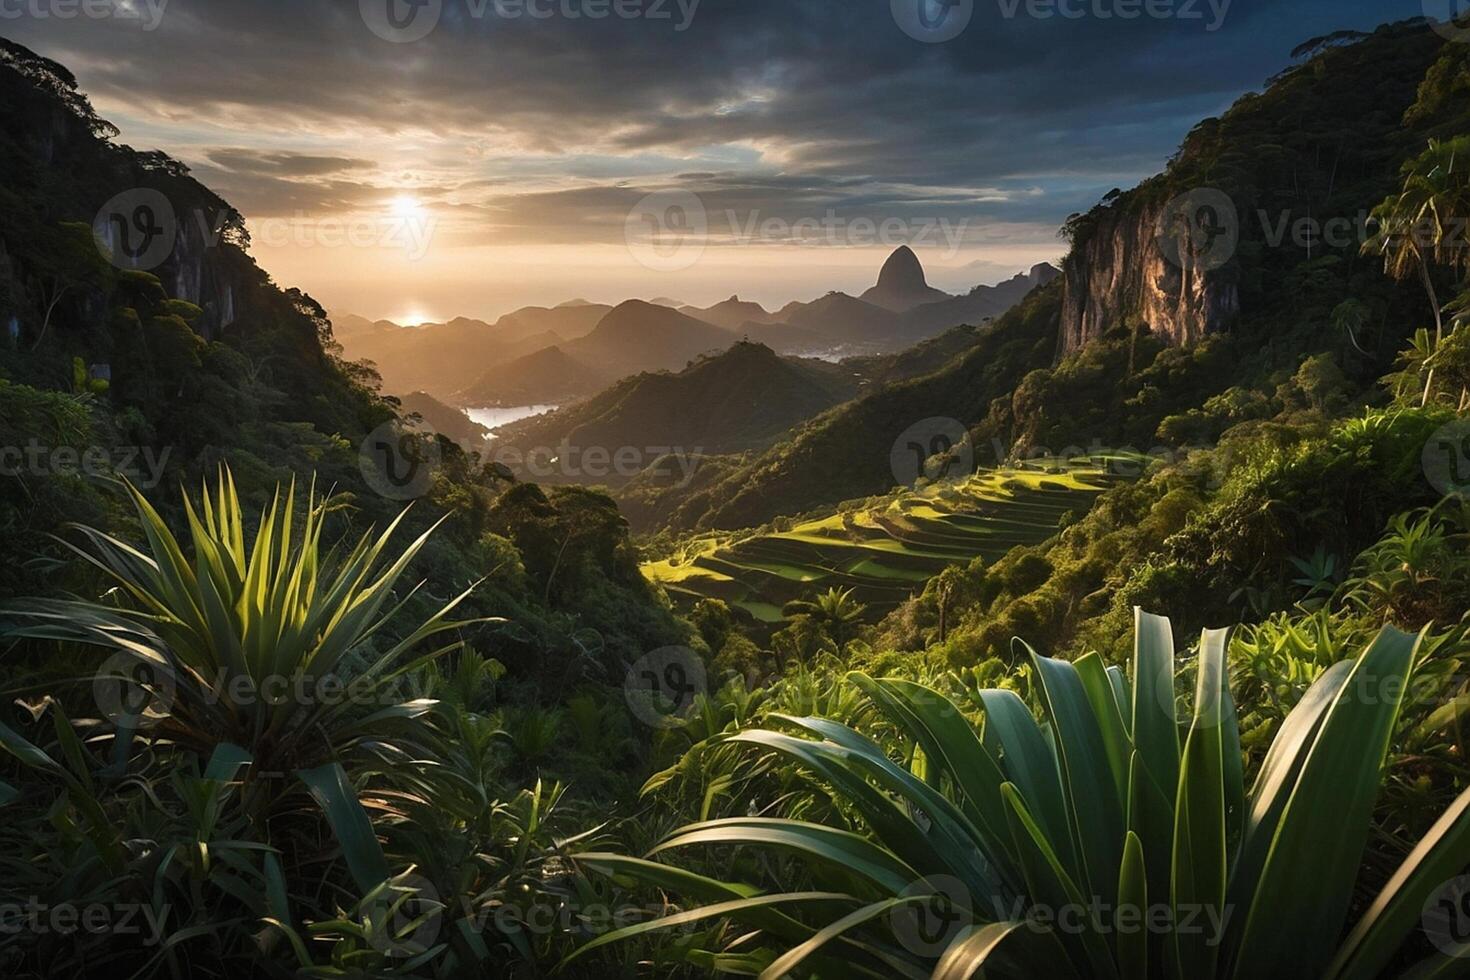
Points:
(407, 206)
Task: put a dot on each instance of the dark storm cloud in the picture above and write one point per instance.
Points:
(1021, 118)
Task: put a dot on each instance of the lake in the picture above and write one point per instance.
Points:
(494, 418)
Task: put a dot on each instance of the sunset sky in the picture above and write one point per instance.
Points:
(495, 161)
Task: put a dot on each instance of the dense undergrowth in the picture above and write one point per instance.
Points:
(247, 729)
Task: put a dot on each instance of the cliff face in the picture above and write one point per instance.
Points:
(1124, 271)
(56, 144)
(1212, 243)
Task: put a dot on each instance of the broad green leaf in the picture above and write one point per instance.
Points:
(734, 909)
(333, 792)
(1279, 772)
(1104, 699)
(1092, 790)
(949, 741)
(793, 958)
(968, 954)
(1050, 886)
(946, 844)
(1201, 856)
(835, 848)
(1031, 765)
(1132, 943)
(1313, 861)
(1155, 717)
(1399, 908)
(227, 763)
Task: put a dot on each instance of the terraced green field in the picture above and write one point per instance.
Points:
(887, 552)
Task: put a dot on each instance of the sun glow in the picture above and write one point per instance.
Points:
(407, 206)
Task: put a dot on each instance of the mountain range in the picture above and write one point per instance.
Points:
(577, 349)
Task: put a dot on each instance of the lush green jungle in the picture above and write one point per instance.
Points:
(1158, 668)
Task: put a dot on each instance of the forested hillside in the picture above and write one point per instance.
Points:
(208, 363)
(1324, 142)
(1147, 602)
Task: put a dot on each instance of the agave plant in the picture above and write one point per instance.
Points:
(267, 649)
(1114, 840)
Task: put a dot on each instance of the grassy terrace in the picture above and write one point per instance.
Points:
(886, 552)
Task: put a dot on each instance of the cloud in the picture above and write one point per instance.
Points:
(549, 129)
(283, 164)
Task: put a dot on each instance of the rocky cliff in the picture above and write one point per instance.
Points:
(1134, 267)
(1232, 232)
(54, 138)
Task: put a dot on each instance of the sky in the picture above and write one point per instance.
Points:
(425, 159)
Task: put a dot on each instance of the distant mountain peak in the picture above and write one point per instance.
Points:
(903, 271)
(902, 284)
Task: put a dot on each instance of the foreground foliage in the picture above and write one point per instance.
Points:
(1046, 847)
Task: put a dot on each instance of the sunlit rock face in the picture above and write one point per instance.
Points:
(1120, 274)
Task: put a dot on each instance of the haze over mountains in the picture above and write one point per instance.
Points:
(572, 351)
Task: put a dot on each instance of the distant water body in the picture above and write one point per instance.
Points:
(494, 418)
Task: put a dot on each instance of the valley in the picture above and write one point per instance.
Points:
(888, 632)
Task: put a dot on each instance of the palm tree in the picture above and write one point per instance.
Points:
(836, 612)
(1422, 225)
(1350, 317)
